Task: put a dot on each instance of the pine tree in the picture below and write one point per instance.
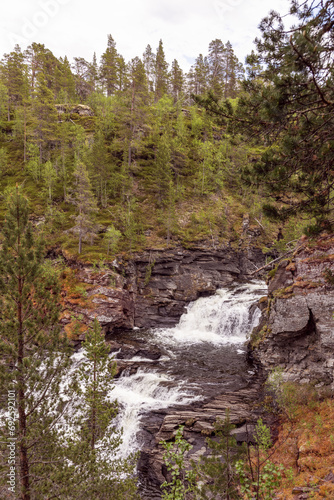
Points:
(64, 83)
(85, 203)
(176, 80)
(108, 67)
(50, 177)
(161, 73)
(14, 76)
(163, 168)
(233, 70)
(149, 65)
(139, 102)
(289, 106)
(111, 238)
(34, 355)
(100, 168)
(216, 65)
(94, 443)
(84, 78)
(44, 117)
(122, 74)
(199, 78)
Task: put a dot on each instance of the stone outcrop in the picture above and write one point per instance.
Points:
(198, 425)
(96, 294)
(79, 109)
(152, 289)
(297, 327)
(164, 282)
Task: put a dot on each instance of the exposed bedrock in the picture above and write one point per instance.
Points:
(297, 326)
(198, 420)
(164, 282)
(153, 288)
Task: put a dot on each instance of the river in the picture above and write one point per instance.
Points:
(201, 356)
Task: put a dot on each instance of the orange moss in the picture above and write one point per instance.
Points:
(75, 329)
(74, 292)
(305, 448)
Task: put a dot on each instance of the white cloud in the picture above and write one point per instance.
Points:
(80, 27)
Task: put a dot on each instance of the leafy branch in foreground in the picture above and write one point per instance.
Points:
(259, 476)
(182, 480)
(217, 471)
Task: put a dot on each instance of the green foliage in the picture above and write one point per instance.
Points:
(289, 104)
(112, 237)
(182, 480)
(49, 176)
(148, 272)
(264, 487)
(259, 476)
(85, 203)
(31, 342)
(216, 473)
(329, 276)
(93, 444)
(287, 395)
(147, 149)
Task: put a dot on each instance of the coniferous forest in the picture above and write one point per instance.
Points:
(103, 159)
(100, 144)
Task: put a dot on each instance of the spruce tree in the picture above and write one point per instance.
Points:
(139, 103)
(198, 77)
(216, 66)
(233, 71)
(93, 446)
(108, 67)
(14, 76)
(161, 73)
(149, 64)
(176, 80)
(34, 356)
(44, 117)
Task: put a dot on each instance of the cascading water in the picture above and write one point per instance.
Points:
(203, 353)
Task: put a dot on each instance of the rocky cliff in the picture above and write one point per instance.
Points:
(152, 289)
(297, 327)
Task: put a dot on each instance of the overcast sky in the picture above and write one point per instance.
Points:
(80, 27)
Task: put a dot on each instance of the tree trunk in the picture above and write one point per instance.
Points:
(94, 407)
(24, 464)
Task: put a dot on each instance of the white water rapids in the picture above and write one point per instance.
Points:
(204, 353)
(206, 348)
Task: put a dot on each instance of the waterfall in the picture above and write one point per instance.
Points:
(224, 318)
(203, 350)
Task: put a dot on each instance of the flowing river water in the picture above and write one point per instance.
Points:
(202, 356)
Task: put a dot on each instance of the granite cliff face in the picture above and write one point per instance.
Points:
(297, 327)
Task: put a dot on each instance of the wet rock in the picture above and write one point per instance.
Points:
(198, 421)
(154, 288)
